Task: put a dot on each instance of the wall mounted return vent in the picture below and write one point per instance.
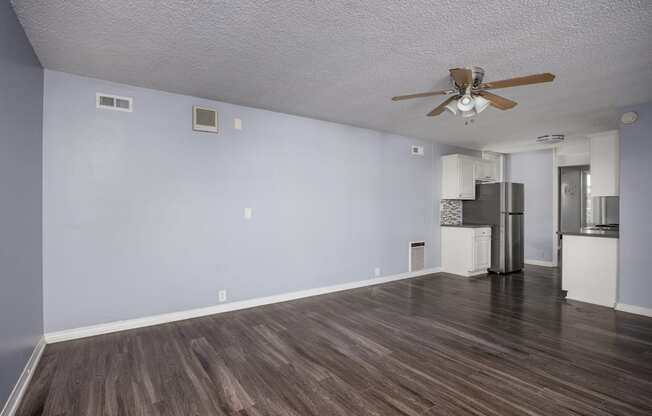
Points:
(113, 102)
(204, 119)
(416, 259)
(417, 150)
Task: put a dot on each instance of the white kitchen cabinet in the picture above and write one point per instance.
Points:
(605, 163)
(458, 177)
(486, 170)
(482, 252)
(465, 251)
(590, 269)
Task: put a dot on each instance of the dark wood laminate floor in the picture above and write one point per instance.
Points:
(433, 345)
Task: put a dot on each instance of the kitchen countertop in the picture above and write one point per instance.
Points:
(594, 233)
(466, 225)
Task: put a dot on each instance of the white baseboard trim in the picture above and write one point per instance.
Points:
(89, 331)
(17, 393)
(639, 310)
(606, 304)
(539, 263)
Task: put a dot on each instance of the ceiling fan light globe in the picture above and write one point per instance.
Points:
(480, 103)
(465, 103)
(452, 107)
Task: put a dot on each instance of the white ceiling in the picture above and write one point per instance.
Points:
(342, 60)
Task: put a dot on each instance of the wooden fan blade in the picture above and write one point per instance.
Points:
(419, 95)
(441, 107)
(462, 76)
(497, 101)
(515, 82)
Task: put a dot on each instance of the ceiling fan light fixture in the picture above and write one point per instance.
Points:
(465, 103)
(480, 103)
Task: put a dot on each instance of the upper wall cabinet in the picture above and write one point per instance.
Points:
(486, 170)
(605, 163)
(458, 177)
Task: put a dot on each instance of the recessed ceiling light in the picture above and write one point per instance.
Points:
(629, 117)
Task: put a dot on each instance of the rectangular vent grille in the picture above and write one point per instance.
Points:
(550, 139)
(417, 150)
(113, 102)
(417, 255)
(204, 119)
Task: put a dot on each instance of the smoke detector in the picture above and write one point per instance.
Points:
(629, 117)
(550, 139)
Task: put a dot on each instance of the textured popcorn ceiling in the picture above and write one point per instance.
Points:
(343, 60)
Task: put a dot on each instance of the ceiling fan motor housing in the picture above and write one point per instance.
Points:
(477, 74)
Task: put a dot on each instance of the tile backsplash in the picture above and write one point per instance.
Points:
(450, 211)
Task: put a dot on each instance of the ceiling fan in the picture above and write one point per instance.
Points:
(469, 95)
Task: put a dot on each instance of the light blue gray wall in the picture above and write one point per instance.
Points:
(21, 110)
(635, 278)
(144, 216)
(534, 170)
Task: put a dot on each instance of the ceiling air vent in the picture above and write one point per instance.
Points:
(204, 119)
(113, 102)
(550, 139)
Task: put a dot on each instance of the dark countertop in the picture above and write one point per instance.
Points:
(594, 233)
(467, 225)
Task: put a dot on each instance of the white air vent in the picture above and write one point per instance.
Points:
(416, 255)
(550, 139)
(204, 119)
(114, 102)
(417, 150)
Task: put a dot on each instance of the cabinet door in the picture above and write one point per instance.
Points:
(467, 178)
(605, 164)
(450, 184)
(482, 252)
(480, 169)
(491, 170)
(486, 171)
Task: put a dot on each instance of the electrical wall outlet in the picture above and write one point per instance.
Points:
(248, 212)
(377, 271)
(221, 295)
(237, 124)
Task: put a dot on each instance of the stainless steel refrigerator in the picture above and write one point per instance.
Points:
(500, 205)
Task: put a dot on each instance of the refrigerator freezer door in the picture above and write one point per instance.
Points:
(570, 199)
(513, 196)
(514, 248)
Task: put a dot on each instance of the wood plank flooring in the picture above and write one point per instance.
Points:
(432, 345)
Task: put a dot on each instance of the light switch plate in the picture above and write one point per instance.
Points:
(248, 212)
(237, 124)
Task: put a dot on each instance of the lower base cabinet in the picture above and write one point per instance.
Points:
(465, 251)
(590, 269)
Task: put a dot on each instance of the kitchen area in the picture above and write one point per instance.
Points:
(588, 233)
(483, 216)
